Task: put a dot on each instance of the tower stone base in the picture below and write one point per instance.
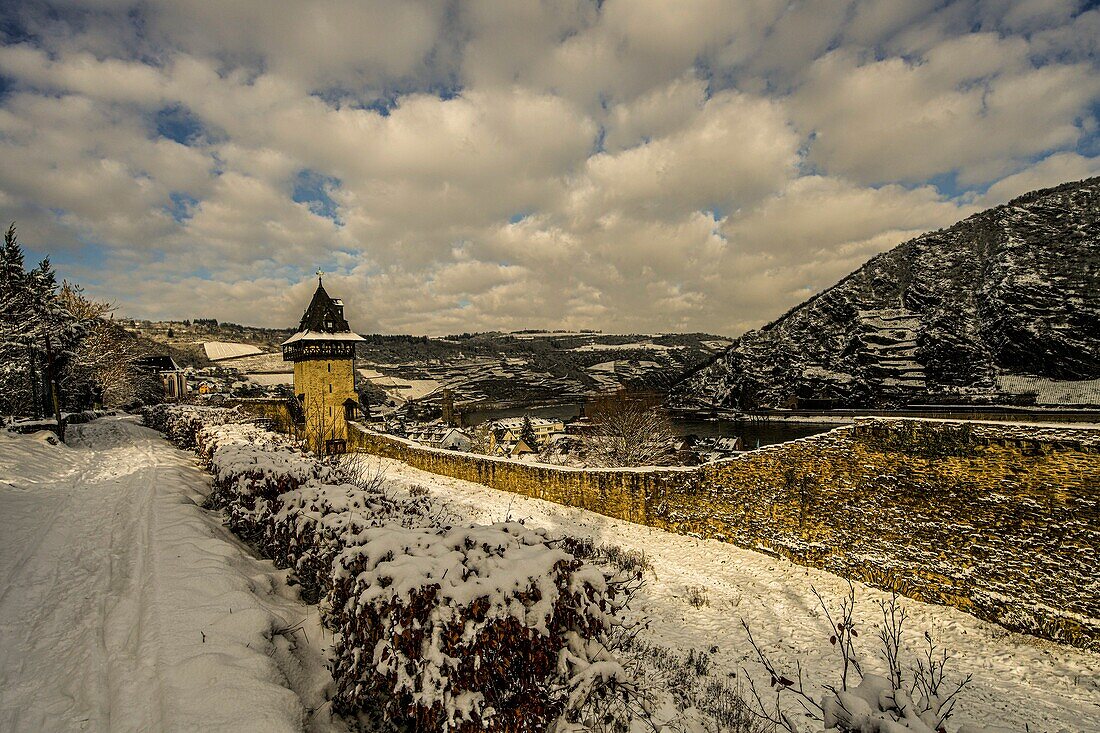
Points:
(323, 387)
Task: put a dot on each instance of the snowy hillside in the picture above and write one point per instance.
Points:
(953, 315)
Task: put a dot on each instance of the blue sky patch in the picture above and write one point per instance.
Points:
(178, 123)
(182, 206)
(311, 188)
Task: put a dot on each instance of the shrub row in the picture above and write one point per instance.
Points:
(182, 423)
(458, 628)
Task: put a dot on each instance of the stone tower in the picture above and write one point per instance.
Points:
(448, 404)
(323, 352)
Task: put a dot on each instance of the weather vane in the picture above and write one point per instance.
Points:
(320, 272)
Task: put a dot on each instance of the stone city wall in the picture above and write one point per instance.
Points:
(1001, 521)
(274, 411)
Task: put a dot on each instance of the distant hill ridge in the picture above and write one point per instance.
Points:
(955, 315)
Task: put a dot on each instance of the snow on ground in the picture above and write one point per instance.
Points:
(269, 363)
(1052, 391)
(270, 380)
(1018, 679)
(125, 606)
(636, 345)
(218, 350)
(403, 389)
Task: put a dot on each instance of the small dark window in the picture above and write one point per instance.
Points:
(330, 368)
(330, 388)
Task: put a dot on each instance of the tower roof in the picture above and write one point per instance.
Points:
(324, 315)
(323, 321)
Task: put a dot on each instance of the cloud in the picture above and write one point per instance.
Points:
(1050, 171)
(700, 165)
(974, 104)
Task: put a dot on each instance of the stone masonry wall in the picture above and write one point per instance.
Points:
(1000, 521)
(273, 410)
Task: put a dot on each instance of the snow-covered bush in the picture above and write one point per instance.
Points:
(470, 628)
(316, 521)
(182, 423)
(473, 628)
(252, 467)
(84, 416)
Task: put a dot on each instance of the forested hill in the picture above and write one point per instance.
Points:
(1002, 306)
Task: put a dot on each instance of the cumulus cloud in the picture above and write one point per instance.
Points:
(973, 104)
(631, 166)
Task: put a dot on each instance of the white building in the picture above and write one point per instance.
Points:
(438, 436)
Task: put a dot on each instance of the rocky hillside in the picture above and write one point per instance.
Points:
(956, 315)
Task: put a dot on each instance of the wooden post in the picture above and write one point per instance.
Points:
(51, 374)
(36, 404)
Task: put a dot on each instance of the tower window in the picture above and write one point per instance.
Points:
(330, 368)
(330, 387)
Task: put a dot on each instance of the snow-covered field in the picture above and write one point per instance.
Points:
(402, 389)
(1052, 391)
(270, 380)
(125, 606)
(636, 345)
(218, 350)
(1018, 679)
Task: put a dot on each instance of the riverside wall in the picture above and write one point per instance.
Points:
(998, 520)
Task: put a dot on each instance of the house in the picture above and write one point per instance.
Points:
(508, 430)
(441, 436)
(171, 376)
(717, 448)
(511, 449)
(729, 444)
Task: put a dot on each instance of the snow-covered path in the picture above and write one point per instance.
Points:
(125, 606)
(1018, 679)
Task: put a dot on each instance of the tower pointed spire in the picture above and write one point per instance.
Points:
(324, 327)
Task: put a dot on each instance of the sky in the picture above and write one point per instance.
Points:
(627, 165)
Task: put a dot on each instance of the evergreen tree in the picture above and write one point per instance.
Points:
(18, 362)
(527, 433)
(37, 333)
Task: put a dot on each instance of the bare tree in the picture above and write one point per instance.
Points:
(107, 357)
(920, 702)
(481, 438)
(630, 429)
(319, 426)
